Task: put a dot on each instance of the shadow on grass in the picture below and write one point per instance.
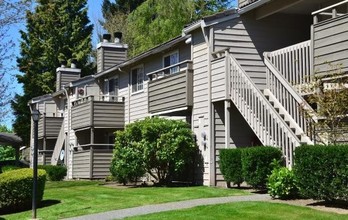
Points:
(333, 204)
(43, 203)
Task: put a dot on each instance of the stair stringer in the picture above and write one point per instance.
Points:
(59, 145)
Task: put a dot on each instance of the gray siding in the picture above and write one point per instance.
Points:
(44, 158)
(49, 126)
(109, 56)
(200, 100)
(108, 114)
(98, 114)
(218, 79)
(91, 164)
(171, 92)
(330, 44)
(81, 166)
(101, 163)
(247, 39)
(241, 134)
(65, 77)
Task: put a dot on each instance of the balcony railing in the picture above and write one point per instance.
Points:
(49, 126)
(98, 112)
(171, 88)
(332, 11)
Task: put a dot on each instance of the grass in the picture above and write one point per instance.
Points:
(75, 198)
(245, 210)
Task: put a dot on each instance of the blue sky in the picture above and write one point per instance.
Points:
(94, 14)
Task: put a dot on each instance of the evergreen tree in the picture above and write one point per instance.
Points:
(56, 30)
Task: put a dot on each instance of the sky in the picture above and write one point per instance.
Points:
(94, 13)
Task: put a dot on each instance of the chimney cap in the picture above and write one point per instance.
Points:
(63, 63)
(107, 37)
(118, 35)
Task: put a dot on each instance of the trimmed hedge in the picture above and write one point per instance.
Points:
(9, 168)
(257, 164)
(231, 166)
(322, 171)
(54, 173)
(16, 189)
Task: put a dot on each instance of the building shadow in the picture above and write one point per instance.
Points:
(43, 203)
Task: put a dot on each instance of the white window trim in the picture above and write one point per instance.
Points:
(169, 54)
(131, 79)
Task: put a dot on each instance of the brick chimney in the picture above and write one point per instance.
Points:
(65, 74)
(111, 53)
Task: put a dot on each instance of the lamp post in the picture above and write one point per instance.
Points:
(35, 114)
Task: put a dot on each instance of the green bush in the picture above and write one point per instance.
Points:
(257, 164)
(230, 163)
(9, 168)
(282, 183)
(16, 189)
(54, 173)
(322, 171)
(163, 148)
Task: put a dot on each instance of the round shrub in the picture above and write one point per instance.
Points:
(54, 173)
(282, 183)
(230, 163)
(16, 189)
(257, 164)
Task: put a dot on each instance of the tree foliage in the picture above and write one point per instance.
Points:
(6, 152)
(56, 30)
(10, 14)
(161, 147)
(329, 95)
(146, 24)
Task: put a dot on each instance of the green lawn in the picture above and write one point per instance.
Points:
(246, 211)
(75, 198)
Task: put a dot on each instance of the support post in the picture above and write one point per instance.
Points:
(227, 123)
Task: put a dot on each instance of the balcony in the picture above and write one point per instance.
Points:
(171, 88)
(49, 127)
(97, 112)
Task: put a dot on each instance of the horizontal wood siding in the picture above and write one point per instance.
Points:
(200, 101)
(44, 160)
(218, 79)
(81, 164)
(101, 163)
(330, 44)
(81, 115)
(99, 59)
(108, 114)
(53, 125)
(247, 39)
(113, 56)
(170, 92)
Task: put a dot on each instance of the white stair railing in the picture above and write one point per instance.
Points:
(264, 120)
(59, 145)
(289, 98)
(294, 62)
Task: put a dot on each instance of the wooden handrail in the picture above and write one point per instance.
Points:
(329, 7)
(169, 67)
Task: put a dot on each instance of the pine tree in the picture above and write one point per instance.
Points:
(56, 30)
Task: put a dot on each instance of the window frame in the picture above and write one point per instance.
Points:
(136, 87)
(172, 70)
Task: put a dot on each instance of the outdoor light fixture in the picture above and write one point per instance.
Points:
(35, 114)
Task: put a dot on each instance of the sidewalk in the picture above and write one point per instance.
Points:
(148, 209)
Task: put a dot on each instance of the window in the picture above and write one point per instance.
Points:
(137, 79)
(170, 60)
(111, 89)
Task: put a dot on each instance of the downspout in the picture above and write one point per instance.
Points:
(128, 92)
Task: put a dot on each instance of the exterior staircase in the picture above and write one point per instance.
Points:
(59, 145)
(277, 114)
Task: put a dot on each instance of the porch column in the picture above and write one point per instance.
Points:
(92, 136)
(227, 108)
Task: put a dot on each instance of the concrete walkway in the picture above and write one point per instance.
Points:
(148, 209)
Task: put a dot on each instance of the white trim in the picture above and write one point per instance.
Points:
(111, 45)
(67, 69)
(141, 66)
(175, 65)
(169, 111)
(329, 7)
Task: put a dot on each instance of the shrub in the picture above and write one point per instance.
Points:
(256, 164)
(16, 189)
(161, 147)
(281, 183)
(230, 163)
(322, 171)
(9, 168)
(54, 173)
